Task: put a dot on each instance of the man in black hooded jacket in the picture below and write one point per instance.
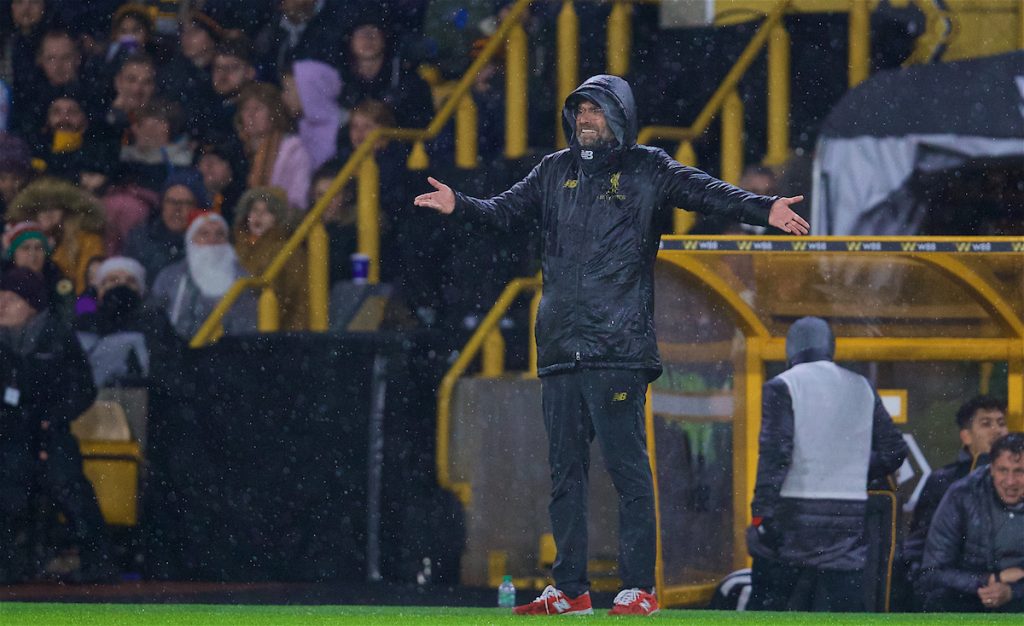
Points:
(603, 205)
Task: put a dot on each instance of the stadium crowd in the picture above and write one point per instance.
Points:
(151, 154)
(154, 152)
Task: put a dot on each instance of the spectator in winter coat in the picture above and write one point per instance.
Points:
(310, 90)
(811, 494)
(131, 32)
(27, 246)
(66, 144)
(188, 290)
(70, 217)
(277, 158)
(134, 87)
(232, 68)
(223, 169)
(373, 71)
(127, 343)
(159, 242)
(974, 555)
(187, 75)
(299, 29)
(48, 385)
(158, 145)
(126, 205)
(263, 224)
(981, 421)
(59, 61)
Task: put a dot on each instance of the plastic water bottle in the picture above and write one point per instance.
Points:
(506, 593)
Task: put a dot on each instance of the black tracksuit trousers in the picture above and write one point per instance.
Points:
(608, 403)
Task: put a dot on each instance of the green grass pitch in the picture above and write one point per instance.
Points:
(25, 613)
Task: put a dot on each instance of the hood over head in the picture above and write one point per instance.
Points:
(809, 339)
(615, 97)
(82, 210)
(319, 87)
(277, 204)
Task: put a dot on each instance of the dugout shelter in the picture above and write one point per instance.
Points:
(931, 321)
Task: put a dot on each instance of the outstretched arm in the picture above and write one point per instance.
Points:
(786, 219)
(691, 189)
(502, 211)
(442, 200)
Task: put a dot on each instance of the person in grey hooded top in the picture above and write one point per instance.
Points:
(824, 435)
(603, 204)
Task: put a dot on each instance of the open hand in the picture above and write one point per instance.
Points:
(785, 219)
(442, 200)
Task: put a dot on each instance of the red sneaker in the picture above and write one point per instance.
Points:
(554, 602)
(634, 602)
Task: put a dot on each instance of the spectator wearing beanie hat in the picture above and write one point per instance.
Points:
(26, 246)
(17, 234)
(120, 270)
(49, 384)
(30, 288)
(128, 343)
(188, 291)
(72, 218)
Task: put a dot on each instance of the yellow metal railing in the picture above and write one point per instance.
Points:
(486, 334)
(726, 101)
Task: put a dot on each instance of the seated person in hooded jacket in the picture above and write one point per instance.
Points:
(128, 344)
(189, 290)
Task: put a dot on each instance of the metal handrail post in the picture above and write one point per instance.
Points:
(778, 96)
(466, 133)
(318, 253)
(516, 92)
(619, 38)
(860, 42)
(368, 211)
(568, 63)
(732, 138)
